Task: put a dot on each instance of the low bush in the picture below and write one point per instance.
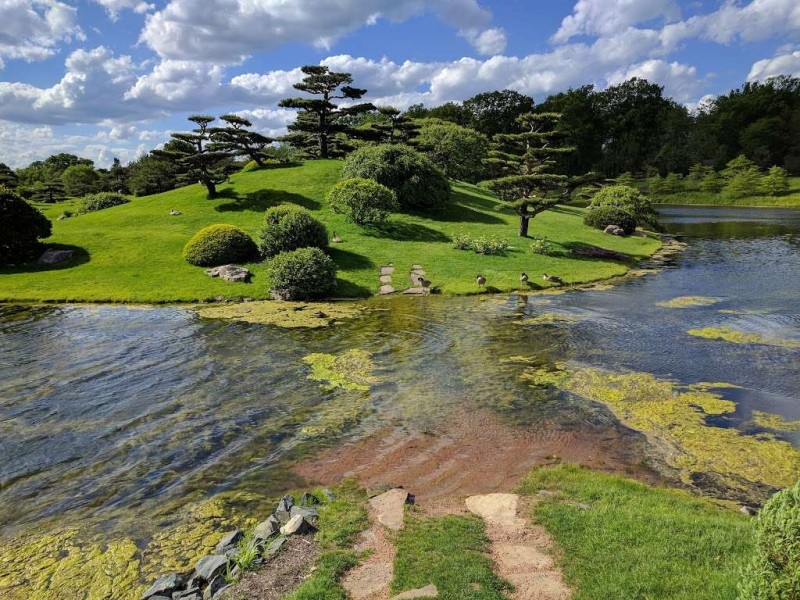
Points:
(416, 181)
(362, 201)
(302, 274)
(480, 245)
(623, 196)
(100, 201)
(601, 217)
(462, 241)
(288, 227)
(541, 246)
(219, 245)
(774, 570)
(21, 227)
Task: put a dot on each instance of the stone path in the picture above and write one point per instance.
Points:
(520, 551)
(386, 280)
(419, 285)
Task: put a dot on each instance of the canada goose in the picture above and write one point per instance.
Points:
(480, 280)
(523, 278)
(423, 282)
(553, 279)
(336, 238)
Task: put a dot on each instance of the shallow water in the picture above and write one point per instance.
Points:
(109, 410)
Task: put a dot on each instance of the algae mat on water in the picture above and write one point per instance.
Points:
(737, 336)
(284, 314)
(675, 420)
(689, 302)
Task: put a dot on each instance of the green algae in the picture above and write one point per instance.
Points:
(737, 336)
(675, 420)
(336, 416)
(549, 318)
(774, 422)
(284, 314)
(350, 370)
(689, 302)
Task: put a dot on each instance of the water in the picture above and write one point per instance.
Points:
(109, 409)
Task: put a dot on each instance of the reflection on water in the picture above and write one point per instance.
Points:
(108, 408)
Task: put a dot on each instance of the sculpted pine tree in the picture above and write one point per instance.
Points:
(8, 178)
(319, 126)
(237, 140)
(195, 157)
(522, 165)
(394, 127)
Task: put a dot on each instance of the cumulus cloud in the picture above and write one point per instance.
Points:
(680, 81)
(223, 31)
(115, 7)
(784, 64)
(179, 83)
(32, 29)
(487, 42)
(608, 17)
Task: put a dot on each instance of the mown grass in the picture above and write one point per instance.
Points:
(449, 552)
(633, 541)
(132, 253)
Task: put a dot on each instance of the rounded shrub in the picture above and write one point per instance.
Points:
(95, 202)
(302, 274)
(21, 227)
(362, 201)
(289, 227)
(603, 216)
(415, 180)
(624, 196)
(774, 570)
(219, 245)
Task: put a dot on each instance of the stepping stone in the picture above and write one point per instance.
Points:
(386, 290)
(415, 267)
(389, 508)
(388, 270)
(420, 272)
(369, 581)
(386, 279)
(414, 277)
(417, 291)
(494, 507)
(429, 591)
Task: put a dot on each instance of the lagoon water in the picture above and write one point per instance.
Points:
(109, 410)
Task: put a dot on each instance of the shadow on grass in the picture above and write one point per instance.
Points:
(262, 200)
(80, 257)
(583, 251)
(408, 232)
(466, 208)
(348, 289)
(350, 260)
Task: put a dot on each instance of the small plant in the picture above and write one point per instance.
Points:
(219, 245)
(362, 201)
(463, 241)
(288, 227)
(541, 246)
(488, 246)
(248, 552)
(302, 274)
(103, 200)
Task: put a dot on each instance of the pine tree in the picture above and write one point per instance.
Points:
(776, 181)
(523, 163)
(50, 191)
(8, 178)
(319, 123)
(237, 140)
(394, 127)
(192, 153)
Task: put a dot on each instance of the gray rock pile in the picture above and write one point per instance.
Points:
(230, 273)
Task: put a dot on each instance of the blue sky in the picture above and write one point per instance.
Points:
(106, 78)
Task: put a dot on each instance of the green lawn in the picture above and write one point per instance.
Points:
(791, 199)
(132, 253)
(623, 539)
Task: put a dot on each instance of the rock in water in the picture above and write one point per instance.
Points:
(55, 257)
(164, 586)
(230, 273)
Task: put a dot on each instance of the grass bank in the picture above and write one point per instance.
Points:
(790, 199)
(622, 539)
(132, 253)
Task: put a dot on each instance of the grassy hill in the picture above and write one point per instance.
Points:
(791, 199)
(132, 253)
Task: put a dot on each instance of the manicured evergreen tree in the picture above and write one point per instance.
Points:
(51, 191)
(21, 227)
(196, 160)
(237, 140)
(319, 122)
(8, 178)
(523, 165)
(394, 127)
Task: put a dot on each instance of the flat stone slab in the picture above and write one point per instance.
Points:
(230, 273)
(386, 278)
(389, 508)
(417, 291)
(420, 272)
(369, 581)
(415, 267)
(520, 557)
(387, 270)
(55, 257)
(386, 290)
(429, 591)
(494, 507)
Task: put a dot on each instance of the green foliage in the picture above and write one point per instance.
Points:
(497, 112)
(151, 175)
(341, 520)
(712, 183)
(774, 570)
(775, 182)
(236, 139)
(541, 245)
(418, 184)
(362, 201)
(743, 183)
(289, 227)
(698, 172)
(456, 150)
(8, 178)
(601, 217)
(673, 183)
(248, 552)
(738, 165)
(323, 583)
(629, 198)
(219, 245)
(250, 165)
(462, 241)
(95, 202)
(656, 186)
(21, 227)
(80, 180)
(623, 539)
(625, 179)
(302, 274)
(481, 244)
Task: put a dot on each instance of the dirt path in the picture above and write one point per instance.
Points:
(522, 553)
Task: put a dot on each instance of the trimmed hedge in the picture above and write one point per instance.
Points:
(362, 201)
(220, 244)
(624, 196)
(21, 227)
(416, 181)
(95, 202)
(288, 227)
(603, 216)
(302, 274)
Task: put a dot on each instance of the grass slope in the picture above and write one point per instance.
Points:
(791, 199)
(638, 542)
(132, 253)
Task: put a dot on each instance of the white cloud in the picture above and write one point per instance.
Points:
(32, 29)
(785, 64)
(680, 81)
(115, 7)
(608, 17)
(269, 122)
(179, 83)
(225, 31)
(488, 42)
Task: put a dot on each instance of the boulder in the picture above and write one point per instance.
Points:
(268, 528)
(748, 510)
(230, 273)
(228, 541)
(164, 586)
(193, 593)
(55, 257)
(283, 510)
(214, 586)
(208, 567)
(309, 515)
(296, 525)
(274, 547)
(309, 500)
(614, 230)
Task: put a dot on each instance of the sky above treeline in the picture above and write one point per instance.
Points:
(112, 78)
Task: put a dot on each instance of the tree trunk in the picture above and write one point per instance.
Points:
(523, 225)
(212, 188)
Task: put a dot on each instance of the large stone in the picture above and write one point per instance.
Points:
(389, 508)
(230, 273)
(310, 515)
(614, 230)
(385, 279)
(55, 257)
(429, 591)
(164, 586)
(417, 291)
(193, 593)
(228, 541)
(283, 510)
(494, 507)
(274, 547)
(386, 290)
(268, 528)
(209, 567)
(296, 525)
(308, 500)
(387, 270)
(214, 586)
